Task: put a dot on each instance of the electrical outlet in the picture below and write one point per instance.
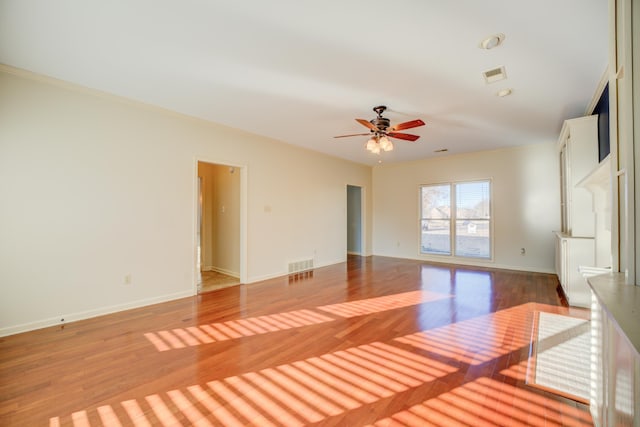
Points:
(127, 279)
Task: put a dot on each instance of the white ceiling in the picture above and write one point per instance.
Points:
(302, 71)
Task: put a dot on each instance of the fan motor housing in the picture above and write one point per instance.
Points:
(381, 122)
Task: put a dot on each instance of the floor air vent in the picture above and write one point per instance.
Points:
(302, 265)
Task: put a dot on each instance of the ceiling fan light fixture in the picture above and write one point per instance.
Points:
(385, 144)
(376, 149)
(380, 131)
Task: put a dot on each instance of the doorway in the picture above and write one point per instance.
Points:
(354, 220)
(218, 234)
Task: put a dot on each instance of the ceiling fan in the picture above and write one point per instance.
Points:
(380, 131)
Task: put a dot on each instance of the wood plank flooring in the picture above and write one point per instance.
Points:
(373, 341)
(213, 281)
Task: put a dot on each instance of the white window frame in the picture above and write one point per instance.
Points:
(453, 221)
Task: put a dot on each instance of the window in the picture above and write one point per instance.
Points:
(456, 219)
(436, 219)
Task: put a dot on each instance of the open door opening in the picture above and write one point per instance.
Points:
(354, 220)
(218, 232)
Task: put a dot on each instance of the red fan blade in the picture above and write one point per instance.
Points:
(367, 123)
(408, 125)
(405, 136)
(355, 134)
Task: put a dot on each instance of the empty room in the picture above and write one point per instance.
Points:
(337, 213)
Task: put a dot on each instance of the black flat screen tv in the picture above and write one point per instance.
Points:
(602, 110)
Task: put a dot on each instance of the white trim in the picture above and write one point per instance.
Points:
(82, 315)
(452, 221)
(285, 274)
(264, 277)
(468, 262)
(604, 80)
(634, 144)
(73, 317)
(244, 246)
(222, 270)
(363, 218)
(243, 274)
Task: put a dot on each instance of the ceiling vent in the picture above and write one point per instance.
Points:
(495, 75)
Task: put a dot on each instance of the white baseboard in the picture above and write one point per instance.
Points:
(81, 315)
(470, 263)
(221, 270)
(255, 279)
(285, 273)
(227, 272)
(72, 317)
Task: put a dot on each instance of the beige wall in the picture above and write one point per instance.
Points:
(94, 188)
(526, 203)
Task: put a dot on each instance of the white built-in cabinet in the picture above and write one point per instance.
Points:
(578, 146)
(615, 314)
(571, 254)
(575, 243)
(615, 352)
(598, 183)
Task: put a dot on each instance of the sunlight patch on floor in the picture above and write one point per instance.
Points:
(563, 354)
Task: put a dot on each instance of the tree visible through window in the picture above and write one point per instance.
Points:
(456, 219)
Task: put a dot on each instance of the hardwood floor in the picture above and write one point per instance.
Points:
(373, 341)
(213, 281)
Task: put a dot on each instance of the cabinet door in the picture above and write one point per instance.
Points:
(598, 366)
(622, 398)
(559, 259)
(564, 266)
(615, 373)
(578, 145)
(563, 189)
(578, 252)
